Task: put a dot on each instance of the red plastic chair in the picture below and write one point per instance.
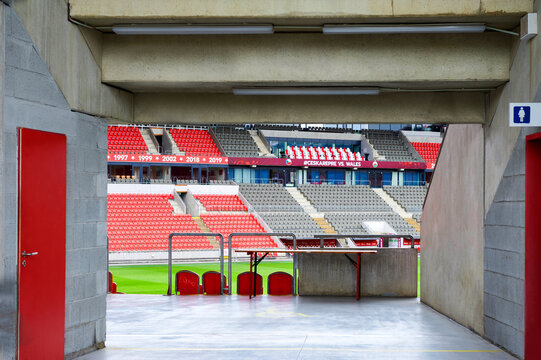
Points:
(211, 283)
(280, 283)
(245, 284)
(111, 288)
(186, 283)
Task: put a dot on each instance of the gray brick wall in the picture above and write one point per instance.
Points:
(7, 284)
(504, 255)
(32, 99)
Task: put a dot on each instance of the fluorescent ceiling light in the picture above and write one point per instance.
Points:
(192, 29)
(404, 29)
(305, 91)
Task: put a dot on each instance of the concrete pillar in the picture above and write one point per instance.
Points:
(8, 294)
(31, 98)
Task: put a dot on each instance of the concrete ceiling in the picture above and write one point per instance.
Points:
(431, 107)
(505, 13)
(219, 63)
(189, 79)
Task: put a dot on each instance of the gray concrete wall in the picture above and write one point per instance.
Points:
(390, 272)
(504, 201)
(33, 100)
(73, 56)
(8, 304)
(167, 145)
(499, 247)
(452, 229)
(504, 255)
(192, 206)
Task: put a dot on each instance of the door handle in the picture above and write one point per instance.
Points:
(25, 254)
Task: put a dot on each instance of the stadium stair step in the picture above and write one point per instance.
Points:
(260, 145)
(204, 228)
(147, 137)
(392, 203)
(302, 200)
(413, 223)
(174, 147)
(325, 226)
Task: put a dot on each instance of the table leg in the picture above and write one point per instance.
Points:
(251, 273)
(255, 274)
(358, 276)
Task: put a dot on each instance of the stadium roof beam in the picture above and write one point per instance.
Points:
(286, 12)
(217, 63)
(392, 107)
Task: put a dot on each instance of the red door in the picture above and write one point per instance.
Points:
(42, 244)
(532, 276)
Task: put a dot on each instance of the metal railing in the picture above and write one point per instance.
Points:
(170, 259)
(374, 237)
(146, 126)
(278, 234)
(270, 234)
(262, 181)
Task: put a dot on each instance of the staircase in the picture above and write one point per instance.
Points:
(392, 203)
(174, 147)
(303, 202)
(205, 229)
(147, 137)
(261, 147)
(324, 225)
(414, 224)
(398, 209)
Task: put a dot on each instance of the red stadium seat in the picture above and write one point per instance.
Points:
(221, 202)
(186, 283)
(280, 283)
(111, 288)
(211, 283)
(125, 140)
(245, 284)
(195, 142)
(142, 222)
(428, 151)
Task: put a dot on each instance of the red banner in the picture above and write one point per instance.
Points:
(168, 159)
(430, 165)
(328, 163)
(239, 161)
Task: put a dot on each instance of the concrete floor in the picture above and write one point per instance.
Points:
(232, 327)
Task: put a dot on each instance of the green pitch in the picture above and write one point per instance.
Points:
(152, 279)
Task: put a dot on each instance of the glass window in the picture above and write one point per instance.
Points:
(387, 178)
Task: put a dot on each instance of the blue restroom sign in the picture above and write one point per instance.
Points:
(525, 114)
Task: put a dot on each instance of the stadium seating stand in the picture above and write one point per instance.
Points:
(143, 222)
(221, 202)
(125, 140)
(194, 142)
